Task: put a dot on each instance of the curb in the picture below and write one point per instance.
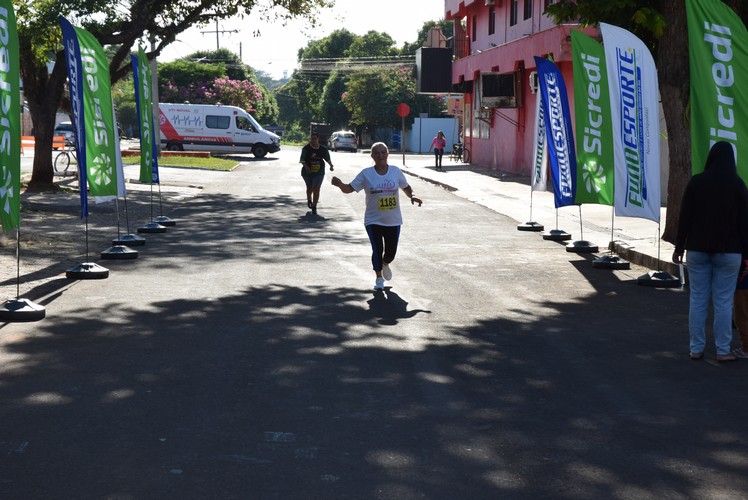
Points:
(627, 252)
(429, 179)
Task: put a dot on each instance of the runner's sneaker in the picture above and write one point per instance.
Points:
(386, 271)
(740, 353)
(379, 285)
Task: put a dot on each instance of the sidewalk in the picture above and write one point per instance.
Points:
(633, 239)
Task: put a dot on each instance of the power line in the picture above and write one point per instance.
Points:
(353, 64)
(218, 32)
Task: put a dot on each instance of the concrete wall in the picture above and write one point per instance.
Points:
(418, 139)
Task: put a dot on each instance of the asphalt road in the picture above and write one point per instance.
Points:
(244, 355)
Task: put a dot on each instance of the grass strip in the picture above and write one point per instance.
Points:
(188, 162)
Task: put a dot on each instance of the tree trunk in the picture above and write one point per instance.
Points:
(674, 90)
(42, 91)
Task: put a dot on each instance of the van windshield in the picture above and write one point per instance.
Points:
(243, 124)
(252, 120)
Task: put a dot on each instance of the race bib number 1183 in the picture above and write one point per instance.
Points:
(387, 202)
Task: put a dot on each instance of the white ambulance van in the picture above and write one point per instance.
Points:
(215, 128)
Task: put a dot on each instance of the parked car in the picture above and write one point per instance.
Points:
(344, 139)
(66, 130)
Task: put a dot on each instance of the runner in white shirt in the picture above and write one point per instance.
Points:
(381, 183)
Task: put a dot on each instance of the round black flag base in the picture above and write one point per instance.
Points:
(119, 252)
(132, 240)
(659, 279)
(165, 221)
(581, 246)
(152, 227)
(21, 310)
(530, 226)
(87, 271)
(556, 235)
(611, 262)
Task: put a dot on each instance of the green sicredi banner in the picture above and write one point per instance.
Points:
(10, 120)
(594, 129)
(718, 50)
(142, 81)
(91, 99)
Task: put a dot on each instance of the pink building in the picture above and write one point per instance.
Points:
(492, 65)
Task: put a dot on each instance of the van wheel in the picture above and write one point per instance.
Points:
(174, 147)
(259, 150)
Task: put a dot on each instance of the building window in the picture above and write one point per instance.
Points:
(491, 20)
(474, 28)
(513, 12)
(481, 128)
(549, 2)
(528, 9)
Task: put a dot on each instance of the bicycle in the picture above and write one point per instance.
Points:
(63, 158)
(460, 153)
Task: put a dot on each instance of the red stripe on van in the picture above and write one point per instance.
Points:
(167, 128)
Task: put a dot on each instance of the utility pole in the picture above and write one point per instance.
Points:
(218, 32)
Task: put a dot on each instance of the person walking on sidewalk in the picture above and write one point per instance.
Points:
(713, 227)
(438, 144)
(382, 218)
(313, 158)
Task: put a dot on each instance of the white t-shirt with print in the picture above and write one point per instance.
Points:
(382, 195)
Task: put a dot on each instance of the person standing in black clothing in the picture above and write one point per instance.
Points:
(713, 227)
(313, 158)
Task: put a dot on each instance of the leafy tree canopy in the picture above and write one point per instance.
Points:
(372, 97)
(185, 72)
(373, 44)
(332, 108)
(333, 46)
(212, 77)
(332, 87)
(641, 17)
(233, 66)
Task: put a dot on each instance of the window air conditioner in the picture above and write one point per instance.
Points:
(499, 90)
(533, 82)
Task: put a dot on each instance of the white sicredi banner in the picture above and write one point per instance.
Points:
(636, 128)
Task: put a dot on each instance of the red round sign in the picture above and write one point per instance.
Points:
(403, 110)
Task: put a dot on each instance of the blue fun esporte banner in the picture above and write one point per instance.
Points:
(75, 84)
(559, 132)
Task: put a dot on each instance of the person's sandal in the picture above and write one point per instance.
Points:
(727, 358)
(696, 356)
(740, 353)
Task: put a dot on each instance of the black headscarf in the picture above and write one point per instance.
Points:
(721, 161)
